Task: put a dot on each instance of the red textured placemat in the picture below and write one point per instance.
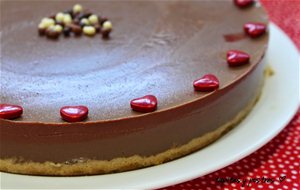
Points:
(276, 165)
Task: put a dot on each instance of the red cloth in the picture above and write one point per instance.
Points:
(281, 156)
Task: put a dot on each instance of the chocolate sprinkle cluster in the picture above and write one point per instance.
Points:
(75, 21)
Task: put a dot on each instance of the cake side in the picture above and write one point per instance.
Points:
(81, 166)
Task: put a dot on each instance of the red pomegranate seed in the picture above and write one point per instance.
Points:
(207, 83)
(237, 58)
(74, 113)
(9, 111)
(255, 30)
(144, 104)
(243, 3)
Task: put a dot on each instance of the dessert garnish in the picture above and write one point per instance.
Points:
(237, 58)
(74, 113)
(206, 83)
(144, 104)
(76, 21)
(10, 111)
(243, 3)
(255, 29)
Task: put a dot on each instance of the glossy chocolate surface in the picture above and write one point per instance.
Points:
(156, 48)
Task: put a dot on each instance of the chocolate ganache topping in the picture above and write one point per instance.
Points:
(157, 48)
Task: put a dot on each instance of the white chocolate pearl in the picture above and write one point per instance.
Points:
(89, 30)
(77, 8)
(42, 25)
(58, 28)
(107, 25)
(44, 20)
(67, 19)
(47, 22)
(93, 19)
(85, 21)
(59, 17)
(51, 28)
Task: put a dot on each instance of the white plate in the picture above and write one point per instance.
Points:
(277, 105)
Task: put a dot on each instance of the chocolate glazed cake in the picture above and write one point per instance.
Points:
(156, 48)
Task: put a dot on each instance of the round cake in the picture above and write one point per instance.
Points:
(172, 78)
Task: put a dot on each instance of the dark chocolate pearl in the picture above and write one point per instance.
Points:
(67, 31)
(70, 12)
(59, 23)
(102, 20)
(79, 16)
(52, 16)
(52, 34)
(76, 21)
(87, 14)
(76, 29)
(105, 34)
(97, 27)
(83, 15)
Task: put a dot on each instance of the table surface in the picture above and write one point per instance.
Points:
(278, 160)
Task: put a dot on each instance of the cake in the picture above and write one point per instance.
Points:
(172, 78)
